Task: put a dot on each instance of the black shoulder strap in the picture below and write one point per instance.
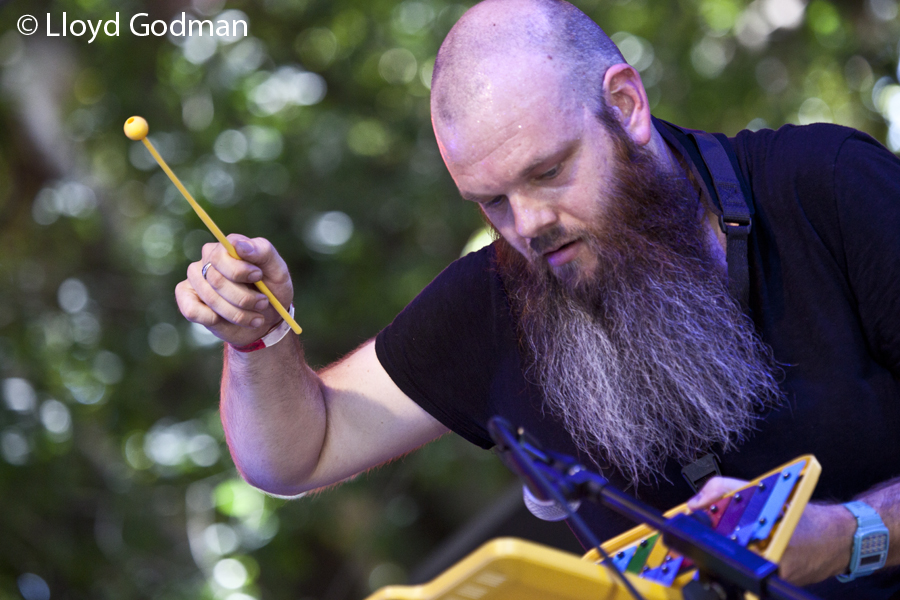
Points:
(725, 192)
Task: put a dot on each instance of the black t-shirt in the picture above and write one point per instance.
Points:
(824, 258)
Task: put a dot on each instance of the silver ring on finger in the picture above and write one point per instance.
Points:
(205, 269)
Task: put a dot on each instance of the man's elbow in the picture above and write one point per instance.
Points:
(273, 478)
(274, 483)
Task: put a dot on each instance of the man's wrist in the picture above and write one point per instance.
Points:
(277, 354)
(274, 335)
(843, 526)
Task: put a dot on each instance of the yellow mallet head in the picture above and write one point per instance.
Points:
(136, 128)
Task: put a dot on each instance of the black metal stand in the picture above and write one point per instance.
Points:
(726, 567)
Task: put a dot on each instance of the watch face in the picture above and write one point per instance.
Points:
(871, 548)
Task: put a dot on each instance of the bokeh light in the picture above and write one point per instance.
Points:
(19, 395)
(327, 232)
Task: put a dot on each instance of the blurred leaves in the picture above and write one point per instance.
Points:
(312, 131)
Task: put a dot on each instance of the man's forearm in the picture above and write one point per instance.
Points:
(823, 541)
(274, 416)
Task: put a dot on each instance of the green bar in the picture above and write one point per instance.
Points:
(640, 556)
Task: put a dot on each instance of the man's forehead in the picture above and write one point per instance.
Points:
(513, 93)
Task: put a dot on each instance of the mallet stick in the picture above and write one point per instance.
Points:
(136, 129)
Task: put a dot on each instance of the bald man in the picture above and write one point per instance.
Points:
(601, 318)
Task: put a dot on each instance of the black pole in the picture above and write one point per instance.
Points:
(518, 457)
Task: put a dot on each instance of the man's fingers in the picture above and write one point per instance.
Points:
(234, 302)
(714, 489)
(192, 308)
(224, 299)
(237, 294)
(240, 271)
(261, 252)
(227, 287)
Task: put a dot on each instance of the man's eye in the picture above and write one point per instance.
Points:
(550, 174)
(494, 202)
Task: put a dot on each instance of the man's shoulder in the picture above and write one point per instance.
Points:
(808, 159)
(472, 271)
(796, 143)
(469, 288)
(818, 153)
(481, 260)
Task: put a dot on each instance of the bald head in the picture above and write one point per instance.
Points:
(509, 35)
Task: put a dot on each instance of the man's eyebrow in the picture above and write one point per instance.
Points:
(470, 196)
(561, 153)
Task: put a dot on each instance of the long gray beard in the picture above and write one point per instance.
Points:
(649, 359)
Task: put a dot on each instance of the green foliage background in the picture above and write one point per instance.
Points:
(114, 478)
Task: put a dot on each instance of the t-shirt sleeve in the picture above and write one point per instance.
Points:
(441, 349)
(867, 198)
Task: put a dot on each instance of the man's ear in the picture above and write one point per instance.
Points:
(624, 91)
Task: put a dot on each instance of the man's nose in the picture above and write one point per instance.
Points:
(532, 216)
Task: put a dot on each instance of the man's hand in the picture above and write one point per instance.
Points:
(225, 301)
(821, 543)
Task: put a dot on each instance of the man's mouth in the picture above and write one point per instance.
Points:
(562, 254)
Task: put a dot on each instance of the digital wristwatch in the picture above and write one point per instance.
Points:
(870, 543)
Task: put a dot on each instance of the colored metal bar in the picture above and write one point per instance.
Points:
(732, 515)
(665, 573)
(636, 565)
(716, 510)
(623, 557)
(782, 490)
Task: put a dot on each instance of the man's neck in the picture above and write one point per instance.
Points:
(677, 165)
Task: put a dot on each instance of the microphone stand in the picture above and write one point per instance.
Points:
(725, 566)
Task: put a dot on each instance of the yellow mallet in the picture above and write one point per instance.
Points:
(136, 129)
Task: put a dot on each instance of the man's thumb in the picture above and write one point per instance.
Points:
(244, 249)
